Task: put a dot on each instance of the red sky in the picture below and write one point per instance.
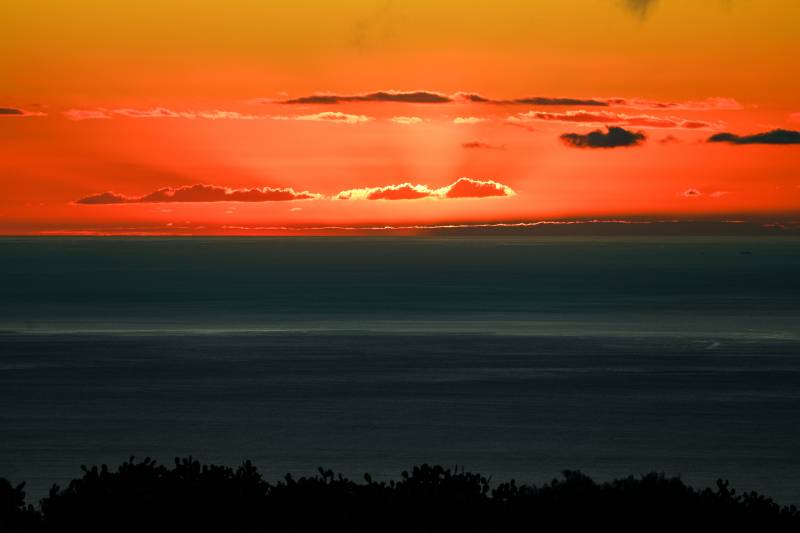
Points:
(146, 117)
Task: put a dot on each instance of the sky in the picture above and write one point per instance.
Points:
(311, 117)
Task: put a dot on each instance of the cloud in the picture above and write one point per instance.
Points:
(709, 104)
(470, 188)
(696, 193)
(530, 100)
(86, 114)
(669, 139)
(16, 112)
(403, 191)
(201, 193)
(407, 121)
(334, 116)
(608, 117)
(157, 112)
(409, 97)
(480, 144)
(211, 114)
(545, 101)
(778, 136)
(104, 198)
(216, 114)
(469, 120)
(471, 97)
(461, 188)
(615, 137)
(434, 97)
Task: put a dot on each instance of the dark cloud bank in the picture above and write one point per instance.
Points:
(615, 137)
(413, 97)
(769, 137)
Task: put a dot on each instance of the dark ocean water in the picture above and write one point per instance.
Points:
(516, 357)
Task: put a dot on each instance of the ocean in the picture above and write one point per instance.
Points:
(517, 357)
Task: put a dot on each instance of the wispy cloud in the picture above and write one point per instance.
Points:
(469, 120)
(608, 117)
(211, 114)
(709, 104)
(86, 114)
(472, 145)
(697, 193)
(156, 112)
(334, 116)
(407, 121)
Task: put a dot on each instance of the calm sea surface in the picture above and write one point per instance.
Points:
(515, 357)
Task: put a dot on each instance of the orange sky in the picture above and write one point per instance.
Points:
(135, 97)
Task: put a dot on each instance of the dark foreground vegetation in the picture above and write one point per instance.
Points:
(144, 496)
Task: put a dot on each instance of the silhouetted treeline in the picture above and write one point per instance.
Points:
(143, 496)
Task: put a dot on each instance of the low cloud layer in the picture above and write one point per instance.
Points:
(433, 97)
(461, 188)
(615, 137)
(608, 117)
(201, 193)
(770, 137)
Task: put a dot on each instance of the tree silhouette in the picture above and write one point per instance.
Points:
(145, 496)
